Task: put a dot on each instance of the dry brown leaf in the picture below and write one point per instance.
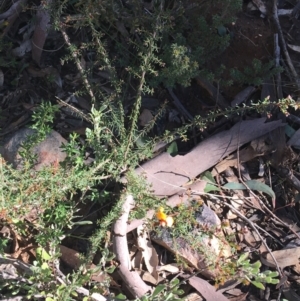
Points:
(146, 276)
(206, 290)
(193, 297)
(41, 31)
(261, 6)
(242, 96)
(168, 268)
(284, 258)
(149, 253)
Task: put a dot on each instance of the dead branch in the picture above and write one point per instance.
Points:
(283, 44)
(179, 106)
(131, 278)
(277, 59)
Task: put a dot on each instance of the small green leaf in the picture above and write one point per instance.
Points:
(80, 223)
(179, 292)
(159, 288)
(256, 265)
(110, 269)
(210, 186)
(41, 252)
(120, 297)
(175, 282)
(242, 258)
(173, 149)
(45, 266)
(258, 284)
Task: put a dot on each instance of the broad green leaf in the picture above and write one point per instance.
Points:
(253, 185)
(258, 284)
(173, 149)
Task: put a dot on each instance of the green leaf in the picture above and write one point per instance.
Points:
(242, 258)
(210, 186)
(120, 297)
(159, 288)
(83, 223)
(256, 265)
(110, 269)
(41, 252)
(45, 266)
(258, 284)
(274, 281)
(173, 149)
(253, 185)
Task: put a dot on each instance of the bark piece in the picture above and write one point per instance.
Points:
(167, 173)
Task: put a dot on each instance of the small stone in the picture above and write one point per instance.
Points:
(48, 151)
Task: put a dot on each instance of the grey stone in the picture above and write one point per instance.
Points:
(48, 151)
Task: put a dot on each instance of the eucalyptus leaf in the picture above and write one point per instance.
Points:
(211, 183)
(253, 185)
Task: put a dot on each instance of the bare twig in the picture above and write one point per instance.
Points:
(277, 59)
(284, 48)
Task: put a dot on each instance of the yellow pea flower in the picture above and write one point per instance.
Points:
(164, 220)
(160, 215)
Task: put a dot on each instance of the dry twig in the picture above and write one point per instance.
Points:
(284, 48)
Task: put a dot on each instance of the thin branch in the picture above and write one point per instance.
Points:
(284, 48)
(78, 64)
(179, 105)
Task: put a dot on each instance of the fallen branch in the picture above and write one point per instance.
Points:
(131, 278)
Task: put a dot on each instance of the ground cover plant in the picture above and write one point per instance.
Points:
(105, 76)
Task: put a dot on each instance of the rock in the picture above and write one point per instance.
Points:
(47, 151)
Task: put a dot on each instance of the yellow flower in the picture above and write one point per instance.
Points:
(160, 215)
(164, 220)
